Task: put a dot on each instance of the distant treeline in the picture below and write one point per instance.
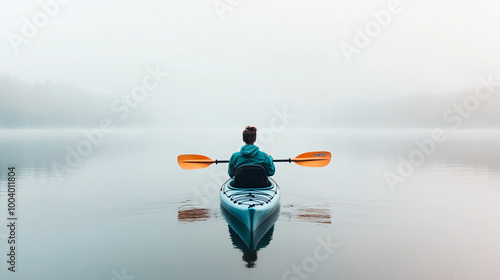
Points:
(28, 105)
(58, 105)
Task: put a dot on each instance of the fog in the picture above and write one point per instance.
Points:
(232, 63)
(403, 94)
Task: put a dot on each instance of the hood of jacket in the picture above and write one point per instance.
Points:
(249, 151)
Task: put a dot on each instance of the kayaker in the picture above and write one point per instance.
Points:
(250, 154)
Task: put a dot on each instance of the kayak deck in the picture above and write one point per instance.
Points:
(251, 197)
(250, 205)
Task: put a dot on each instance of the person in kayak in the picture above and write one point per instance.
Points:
(250, 154)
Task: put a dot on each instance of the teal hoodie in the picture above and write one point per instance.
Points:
(250, 154)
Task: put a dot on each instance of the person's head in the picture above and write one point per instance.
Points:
(250, 135)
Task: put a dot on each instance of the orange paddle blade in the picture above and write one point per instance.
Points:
(313, 159)
(194, 161)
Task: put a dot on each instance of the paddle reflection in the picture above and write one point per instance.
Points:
(188, 213)
(249, 242)
(319, 214)
(193, 215)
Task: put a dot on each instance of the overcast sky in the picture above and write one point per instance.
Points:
(273, 50)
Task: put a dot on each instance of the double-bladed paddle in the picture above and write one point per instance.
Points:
(310, 159)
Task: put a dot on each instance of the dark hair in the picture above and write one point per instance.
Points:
(250, 134)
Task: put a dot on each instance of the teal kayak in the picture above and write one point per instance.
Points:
(250, 206)
(252, 201)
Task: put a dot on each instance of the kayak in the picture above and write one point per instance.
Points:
(250, 205)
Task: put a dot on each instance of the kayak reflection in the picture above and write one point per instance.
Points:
(249, 242)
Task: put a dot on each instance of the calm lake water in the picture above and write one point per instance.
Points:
(125, 210)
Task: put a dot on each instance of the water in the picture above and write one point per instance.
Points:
(127, 210)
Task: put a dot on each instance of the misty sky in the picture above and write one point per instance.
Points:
(280, 52)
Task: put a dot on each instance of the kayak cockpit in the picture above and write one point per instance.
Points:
(252, 176)
(250, 196)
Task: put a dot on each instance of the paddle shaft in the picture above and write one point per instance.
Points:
(282, 160)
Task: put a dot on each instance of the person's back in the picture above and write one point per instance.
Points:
(250, 154)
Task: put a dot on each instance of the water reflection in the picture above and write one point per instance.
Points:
(249, 242)
(249, 256)
(318, 214)
(189, 213)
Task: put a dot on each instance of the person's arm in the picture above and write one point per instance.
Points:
(230, 167)
(270, 166)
